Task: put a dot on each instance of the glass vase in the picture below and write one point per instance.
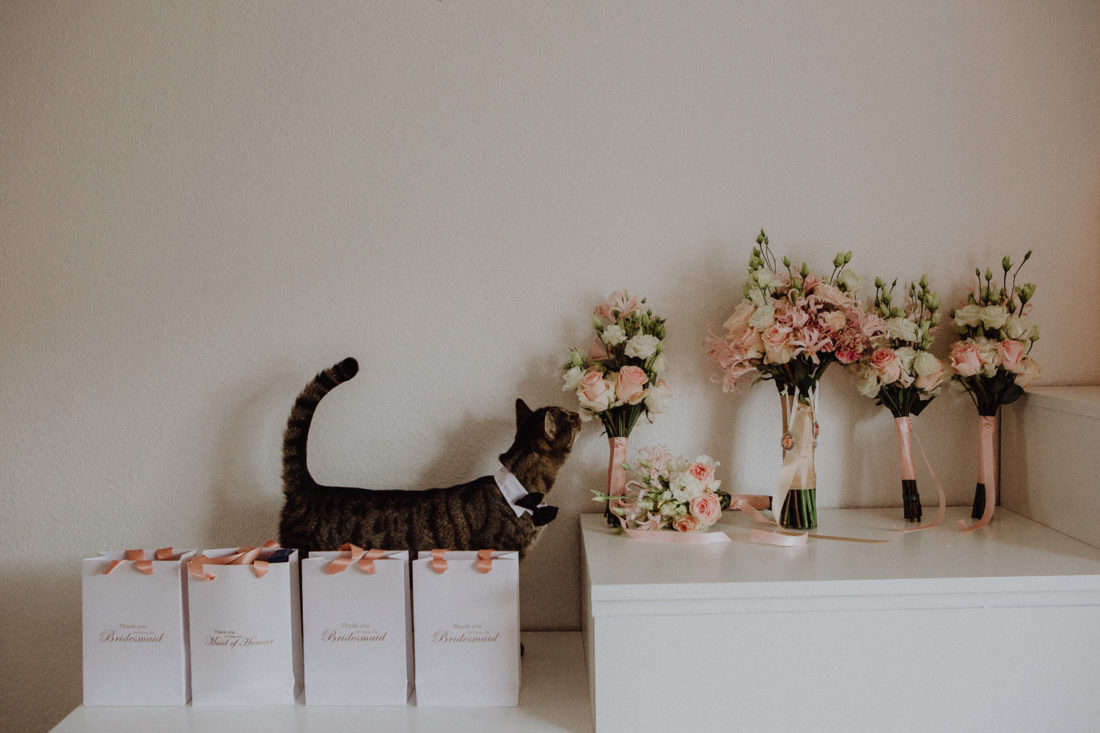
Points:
(799, 509)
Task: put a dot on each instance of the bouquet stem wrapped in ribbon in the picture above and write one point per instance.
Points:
(619, 379)
(991, 361)
(899, 372)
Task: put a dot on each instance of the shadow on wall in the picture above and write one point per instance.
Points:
(46, 659)
(248, 496)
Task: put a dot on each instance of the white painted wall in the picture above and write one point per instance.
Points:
(204, 203)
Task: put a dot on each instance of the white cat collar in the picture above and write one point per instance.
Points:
(512, 490)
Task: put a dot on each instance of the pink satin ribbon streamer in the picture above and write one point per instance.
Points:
(363, 559)
(987, 426)
(780, 538)
(141, 563)
(244, 556)
(709, 537)
(616, 474)
(942, 508)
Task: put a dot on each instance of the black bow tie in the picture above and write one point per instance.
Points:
(540, 515)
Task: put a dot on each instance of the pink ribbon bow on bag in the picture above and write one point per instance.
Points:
(141, 563)
(244, 556)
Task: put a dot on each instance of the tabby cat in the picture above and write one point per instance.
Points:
(471, 516)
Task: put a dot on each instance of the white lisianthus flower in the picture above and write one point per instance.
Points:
(766, 278)
(660, 364)
(1017, 327)
(994, 317)
(848, 281)
(868, 384)
(968, 316)
(642, 346)
(901, 329)
(572, 379)
(763, 317)
(924, 363)
(656, 399)
(613, 335)
(987, 350)
(685, 487)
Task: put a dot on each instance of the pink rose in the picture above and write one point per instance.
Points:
(777, 345)
(886, 365)
(594, 392)
(702, 471)
(966, 359)
(685, 523)
(707, 508)
(630, 385)
(1012, 354)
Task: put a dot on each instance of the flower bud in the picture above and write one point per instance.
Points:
(805, 271)
(1006, 263)
(878, 282)
(786, 261)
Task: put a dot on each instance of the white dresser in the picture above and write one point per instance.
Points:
(996, 630)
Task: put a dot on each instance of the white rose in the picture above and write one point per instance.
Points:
(906, 355)
(642, 346)
(968, 316)
(868, 384)
(994, 317)
(924, 364)
(613, 335)
(848, 281)
(572, 379)
(660, 364)
(763, 318)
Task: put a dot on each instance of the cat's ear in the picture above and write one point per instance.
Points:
(550, 427)
(522, 411)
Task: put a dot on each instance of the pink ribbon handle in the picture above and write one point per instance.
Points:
(141, 563)
(247, 555)
(484, 561)
(439, 560)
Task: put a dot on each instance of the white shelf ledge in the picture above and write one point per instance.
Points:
(553, 697)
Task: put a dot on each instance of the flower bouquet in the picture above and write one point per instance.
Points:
(991, 360)
(619, 379)
(900, 372)
(790, 326)
(667, 493)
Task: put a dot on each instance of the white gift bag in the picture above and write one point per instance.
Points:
(246, 633)
(135, 628)
(466, 628)
(357, 627)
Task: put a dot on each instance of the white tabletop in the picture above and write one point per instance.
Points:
(553, 697)
(1012, 555)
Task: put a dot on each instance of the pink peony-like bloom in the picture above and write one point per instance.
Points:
(702, 470)
(966, 358)
(833, 321)
(886, 365)
(630, 385)
(685, 523)
(594, 392)
(707, 508)
(1011, 353)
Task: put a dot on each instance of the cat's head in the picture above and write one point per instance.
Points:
(547, 430)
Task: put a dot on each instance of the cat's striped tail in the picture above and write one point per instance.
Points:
(295, 470)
